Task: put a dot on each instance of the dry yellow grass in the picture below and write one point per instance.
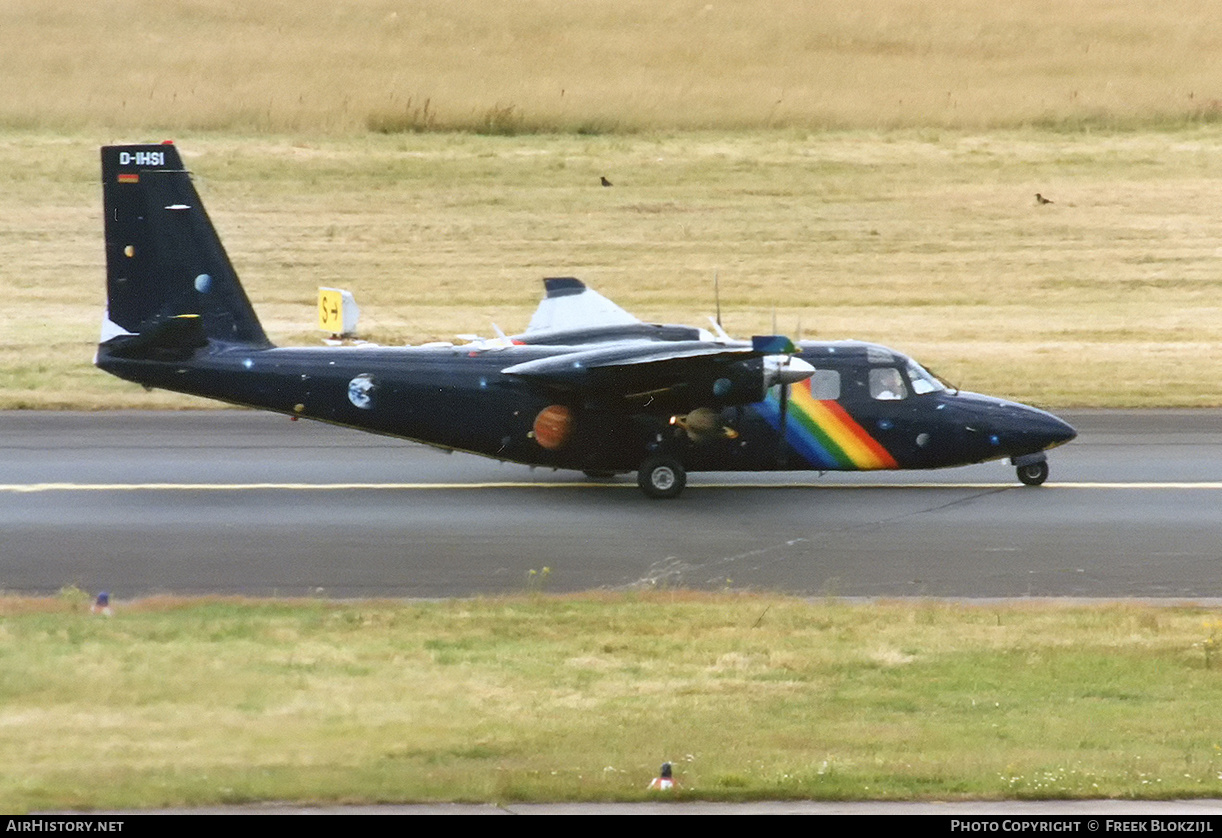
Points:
(604, 65)
(910, 224)
(928, 241)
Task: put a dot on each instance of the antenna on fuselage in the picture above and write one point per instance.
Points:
(715, 321)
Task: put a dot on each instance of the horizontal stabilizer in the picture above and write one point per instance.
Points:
(175, 339)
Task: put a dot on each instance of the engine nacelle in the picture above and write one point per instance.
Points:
(748, 381)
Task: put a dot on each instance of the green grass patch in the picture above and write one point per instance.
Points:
(581, 697)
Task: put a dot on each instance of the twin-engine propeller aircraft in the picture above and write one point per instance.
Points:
(587, 386)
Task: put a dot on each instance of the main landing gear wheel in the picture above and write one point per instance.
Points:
(661, 477)
(1033, 474)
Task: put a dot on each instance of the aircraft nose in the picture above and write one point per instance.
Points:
(1031, 429)
(1061, 432)
(1011, 429)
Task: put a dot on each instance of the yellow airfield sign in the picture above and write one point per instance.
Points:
(337, 311)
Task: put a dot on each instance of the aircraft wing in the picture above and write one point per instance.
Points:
(671, 376)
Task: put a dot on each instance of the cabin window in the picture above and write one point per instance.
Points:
(886, 384)
(825, 385)
(922, 381)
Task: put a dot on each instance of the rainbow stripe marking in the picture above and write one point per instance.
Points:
(823, 433)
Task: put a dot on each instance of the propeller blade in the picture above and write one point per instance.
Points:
(782, 450)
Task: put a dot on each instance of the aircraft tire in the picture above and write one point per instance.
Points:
(661, 477)
(1033, 474)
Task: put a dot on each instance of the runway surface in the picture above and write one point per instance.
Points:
(249, 503)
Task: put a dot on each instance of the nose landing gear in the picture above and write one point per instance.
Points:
(1032, 469)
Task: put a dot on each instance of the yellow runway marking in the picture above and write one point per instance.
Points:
(24, 488)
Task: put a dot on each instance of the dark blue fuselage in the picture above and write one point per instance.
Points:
(458, 398)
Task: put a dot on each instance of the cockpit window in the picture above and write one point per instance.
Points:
(886, 384)
(922, 381)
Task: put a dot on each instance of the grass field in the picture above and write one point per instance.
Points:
(930, 241)
(865, 171)
(605, 66)
(542, 697)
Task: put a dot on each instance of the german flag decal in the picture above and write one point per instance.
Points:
(128, 177)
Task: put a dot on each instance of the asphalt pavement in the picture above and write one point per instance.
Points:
(250, 503)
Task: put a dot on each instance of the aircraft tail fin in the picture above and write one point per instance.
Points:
(168, 278)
